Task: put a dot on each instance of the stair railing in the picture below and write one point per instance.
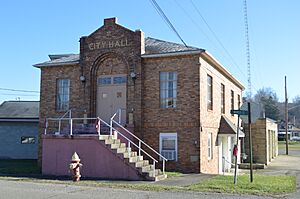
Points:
(140, 142)
(59, 120)
(112, 128)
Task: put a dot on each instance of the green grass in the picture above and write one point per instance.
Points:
(261, 184)
(173, 174)
(19, 167)
(293, 145)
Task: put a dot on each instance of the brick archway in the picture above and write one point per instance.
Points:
(107, 63)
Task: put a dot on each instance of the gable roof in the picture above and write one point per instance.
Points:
(19, 110)
(227, 127)
(152, 46)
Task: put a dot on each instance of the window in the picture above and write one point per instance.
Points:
(168, 145)
(209, 92)
(222, 98)
(63, 94)
(168, 89)
(104, 80)
(120, 80)
(209, 146)
(27, 140)
(112, 80)
(239, 101)
(232, 101)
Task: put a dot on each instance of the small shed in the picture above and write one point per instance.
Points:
(264, 140)
(19, 129)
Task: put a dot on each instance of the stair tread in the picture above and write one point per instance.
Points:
(143, 166)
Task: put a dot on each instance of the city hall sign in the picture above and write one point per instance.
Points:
(108, 44)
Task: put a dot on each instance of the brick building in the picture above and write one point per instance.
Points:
(264, 140)
(171, 96)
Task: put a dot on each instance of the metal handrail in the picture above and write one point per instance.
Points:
(140, 141)
(99, 120)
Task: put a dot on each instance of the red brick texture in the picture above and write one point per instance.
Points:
(113, 49)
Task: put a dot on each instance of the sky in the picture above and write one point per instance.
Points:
(31, 30)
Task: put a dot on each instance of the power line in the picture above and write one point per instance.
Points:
(18, 94)
(216, 37)
(196, 24)
(15, 90)
(165, 18)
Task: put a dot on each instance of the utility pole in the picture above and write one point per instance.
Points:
(286, 119)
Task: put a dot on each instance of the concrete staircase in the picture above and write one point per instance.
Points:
(142, 167)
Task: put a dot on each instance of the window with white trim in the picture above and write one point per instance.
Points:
(168, 145)
(223, 98)
(209, 146)
(209, 92)
(62, 94)
(168, 89)
(232, 101)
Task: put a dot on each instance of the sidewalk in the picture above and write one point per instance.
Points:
(185, 179)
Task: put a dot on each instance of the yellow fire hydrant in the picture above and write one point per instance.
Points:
(75, 167)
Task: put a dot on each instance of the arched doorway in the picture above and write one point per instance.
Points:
(109, 86)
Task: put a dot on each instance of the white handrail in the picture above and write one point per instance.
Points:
(117, 131)
(140, 140)
(112, 121)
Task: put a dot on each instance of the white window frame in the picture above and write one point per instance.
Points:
(168, 135)
(62, 94)
(223, 98)
(209, 146)
(210, 103)
(168, 91)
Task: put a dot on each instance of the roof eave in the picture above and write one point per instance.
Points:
(171, 54)
(220, 67)
(55, 64)
(19, 119)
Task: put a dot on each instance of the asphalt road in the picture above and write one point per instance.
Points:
(282, 165)
(29, 190)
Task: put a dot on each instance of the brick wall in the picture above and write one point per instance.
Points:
(190, 119)
(210, 119)
(264, 140)
(184, 119)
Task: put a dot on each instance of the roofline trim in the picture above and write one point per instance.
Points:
(171, 54)
(220, 67)
(18, 120)
(55, 64)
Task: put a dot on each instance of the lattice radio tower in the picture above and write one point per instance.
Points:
(247, 50)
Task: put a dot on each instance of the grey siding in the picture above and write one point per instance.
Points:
(10, 136)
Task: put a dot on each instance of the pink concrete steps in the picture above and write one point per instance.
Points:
(142, 166)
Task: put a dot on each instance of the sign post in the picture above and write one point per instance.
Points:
(238, 112)
(250, 142)
(255, 111)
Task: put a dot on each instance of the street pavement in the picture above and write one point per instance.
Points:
(29, 190)
(282, 165)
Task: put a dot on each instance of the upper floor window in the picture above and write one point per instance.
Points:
(222, 98)
(168, 89)
(209, 92)
(63, 94)
(239, 101)
(232, 100)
